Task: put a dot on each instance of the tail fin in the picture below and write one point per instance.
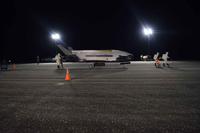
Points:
(64, 50)
(70, 48)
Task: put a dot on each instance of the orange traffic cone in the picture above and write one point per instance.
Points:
(67, 77)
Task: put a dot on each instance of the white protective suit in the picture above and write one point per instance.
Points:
(155, 57)
(165, 57)
(58, 60)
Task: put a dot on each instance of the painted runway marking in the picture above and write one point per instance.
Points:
(60, 83)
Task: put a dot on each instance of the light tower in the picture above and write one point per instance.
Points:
(148, 32)
(56, 37)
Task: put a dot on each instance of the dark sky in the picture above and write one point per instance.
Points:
(99, 24)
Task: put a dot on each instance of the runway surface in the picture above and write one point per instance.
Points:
(136, 98)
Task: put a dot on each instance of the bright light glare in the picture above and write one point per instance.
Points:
(55, 36)
(147, 31)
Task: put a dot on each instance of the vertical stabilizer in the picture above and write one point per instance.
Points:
(64, 50)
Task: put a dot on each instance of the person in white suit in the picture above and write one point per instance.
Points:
(156, 59)
(165, 58)
(58, 60)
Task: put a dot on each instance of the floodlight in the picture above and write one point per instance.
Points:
(55, 36)
(147, 31)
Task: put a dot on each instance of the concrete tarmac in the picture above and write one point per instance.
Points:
(136, 98)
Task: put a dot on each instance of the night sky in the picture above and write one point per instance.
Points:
(99, 24)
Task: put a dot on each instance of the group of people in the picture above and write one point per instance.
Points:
(58, 58)
(157, 58)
